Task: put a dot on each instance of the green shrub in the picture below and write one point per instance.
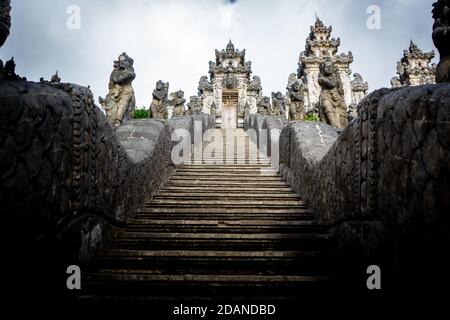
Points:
(312, 117)
(141, 113)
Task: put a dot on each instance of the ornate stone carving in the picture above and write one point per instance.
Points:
(332, 108)
(177, 100)
(230, 71)
(279, 105)
(414, 68)
(359, 91)
(8, 71)
(320, 46)
(230, 81)
(441, 38)
(213, 109)
(158, 106)
(264, 107)
(359, 88)
(54, 79)
(120, 98)
(195, 106)
(295, 97)
(255, 85)
(396, 83)
(5, 20)
(246, 110)
(204, 85)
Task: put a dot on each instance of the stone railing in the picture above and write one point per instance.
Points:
(382, 185)
(67, 177)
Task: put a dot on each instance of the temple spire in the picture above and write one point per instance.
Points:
(230, 46)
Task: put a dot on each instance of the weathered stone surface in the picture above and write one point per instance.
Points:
(332, 108)
(158, 106)
(61, 160)
(120, 102)
(5, 21)
(441, 38)
(383, 183)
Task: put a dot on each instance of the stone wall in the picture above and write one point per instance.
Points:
(259, 122)
(383, 184)
(67, 177)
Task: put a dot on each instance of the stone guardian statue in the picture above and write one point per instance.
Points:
(120, 98)
(264, 107)
(279, 105)
(178, 103)
(332, 108)
(441, 38)
(296, 101)
(158, 106)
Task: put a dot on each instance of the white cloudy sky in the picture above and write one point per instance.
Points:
(173, 40)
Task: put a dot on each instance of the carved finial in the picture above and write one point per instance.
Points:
(318, 23)
(55, 78)
(230, 47)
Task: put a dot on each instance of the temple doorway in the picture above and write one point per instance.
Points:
(229, 109)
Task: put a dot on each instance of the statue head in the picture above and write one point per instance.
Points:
(358, 78)
(327, 68)
(160, 85)
(123, 62)
(278, 95)
(297, 86)
(180, 94)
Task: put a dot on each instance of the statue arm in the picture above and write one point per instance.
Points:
(327, 83)
(123, 77)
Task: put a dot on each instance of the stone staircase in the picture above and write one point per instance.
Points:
(218, 231)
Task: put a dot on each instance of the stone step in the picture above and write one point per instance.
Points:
(230, 161)
(128, 283)
(219, 262)
(224, 203)
(141, 277)
(126, 286)
(225, 175)
(224, 196)
(150, 223)
(235, 214)
(221, 241)
(218, 230)
(229, 178)
(222, 170)
(225, 183)
(224, 166)
(228, 189)
(222, 226)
